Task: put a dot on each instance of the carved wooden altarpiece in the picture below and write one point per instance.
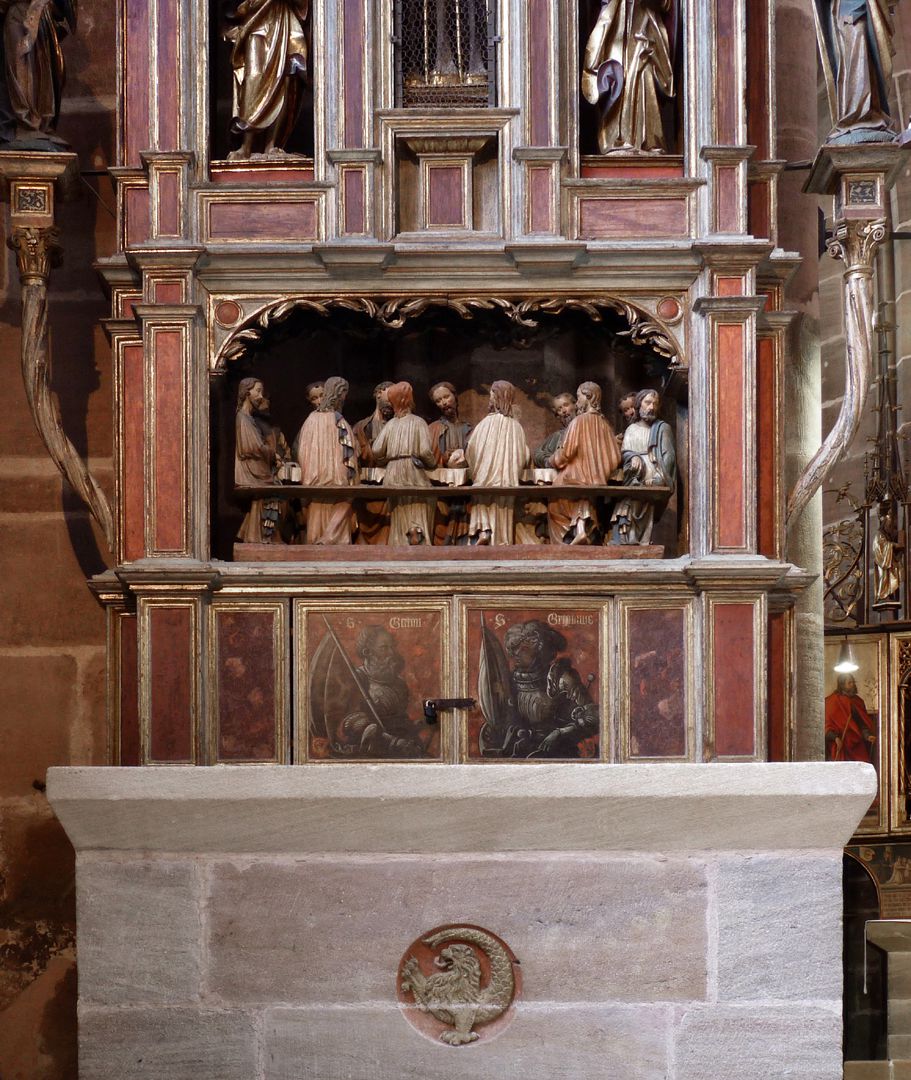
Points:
(390, 227)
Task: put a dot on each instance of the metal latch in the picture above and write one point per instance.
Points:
(433, 705)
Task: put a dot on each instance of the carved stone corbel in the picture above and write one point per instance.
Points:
(35, 240)
(859, 177)
(855, 243)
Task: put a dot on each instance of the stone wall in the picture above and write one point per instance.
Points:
(52, 656)
(671, 922)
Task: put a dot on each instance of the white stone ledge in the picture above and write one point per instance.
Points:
(398, 808)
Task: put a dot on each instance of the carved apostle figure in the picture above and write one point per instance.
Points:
(649, 460)
(367, 431)
(587, 458)
(449, 438)
(327, 454)
(564, 409)
(33, 72)
(260, 449)
(628, 64)
(887, 561)
(403, 447)
(271, 61)
(497, 453)
(856, 49)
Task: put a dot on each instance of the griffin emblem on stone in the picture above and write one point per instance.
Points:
(453, 994)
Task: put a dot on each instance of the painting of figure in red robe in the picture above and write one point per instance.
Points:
(853, 709)
(367, 673)
(536, 676)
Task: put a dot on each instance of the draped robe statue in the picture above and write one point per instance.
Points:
(403, 446)
(260, 448)
(649, 460)
(855, 46)
(497, 453)
(449, 437)
(587, 458)
(326, 451)
(271, 60)
(33, 73)
(628, 63)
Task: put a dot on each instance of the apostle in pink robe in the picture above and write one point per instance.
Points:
(497, 453)
(327, 453)
(404, 447)
(587, 458)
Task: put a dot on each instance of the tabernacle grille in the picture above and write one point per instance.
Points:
(445, 53)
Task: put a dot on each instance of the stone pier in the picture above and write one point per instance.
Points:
(666, 922)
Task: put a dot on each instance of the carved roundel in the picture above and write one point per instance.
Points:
(458, 984)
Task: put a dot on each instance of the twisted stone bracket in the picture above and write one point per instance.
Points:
(855, 242)
(37, 251)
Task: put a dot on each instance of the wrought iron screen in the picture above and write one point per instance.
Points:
(445, 53)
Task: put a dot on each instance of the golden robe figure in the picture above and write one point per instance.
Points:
(327, 453)
(887, 562)
(34, 71)
(404, 448)
(587, 457)
(856, 48)
(628, 62)
(497, 453)
(271, 60)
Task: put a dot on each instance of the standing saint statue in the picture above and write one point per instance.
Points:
(403, 446)
(587, 458)
(33, 70)
(260, 449)
(628, 64)
(856, 49)
(271, 62)
(887, 561)
(497, 453)
(649, 460)
(327, 453)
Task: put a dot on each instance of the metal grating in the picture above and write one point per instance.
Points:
(445, 53)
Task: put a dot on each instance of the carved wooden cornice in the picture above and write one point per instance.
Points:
(393, 313)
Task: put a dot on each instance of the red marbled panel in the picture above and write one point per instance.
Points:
(130, 741)
(170, 675)
(169, 292)
(540, 200)
(729, 286)
(607, 218)
(725, 98)
(758, 70)
(769, 458)
(733, 685)
(538, 63)
(136, 210)
(136, 106)
(355, 204)
(730, 453)
(248, 720)
(656, 648)
(170, 17)
(354, 38)
(759, 205)
(168, 204)
(171, 393)
(444, 196)
(132, 451)
(778, 687)
(727, 200)
(249, 220)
